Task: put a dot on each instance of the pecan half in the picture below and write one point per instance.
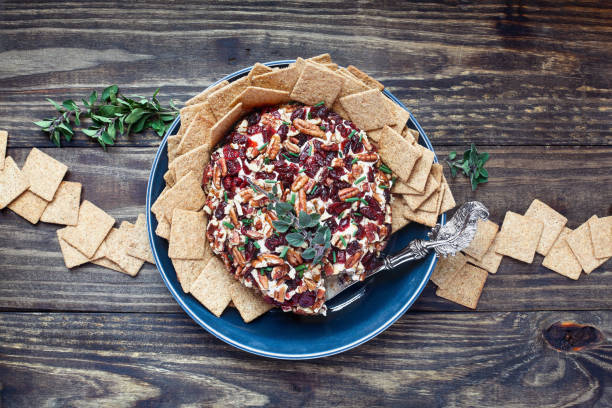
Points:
(273, 147)
(263, 281)
(294, 257)
(378, 198)
(308, 128)
(292, 147)
(348, 192)
(294, 139)
(334, 147)
(238, 257)
(271, 259)
(254, 234)
(223, 165)
(279, 271)
(366, 143)
(352, 261)
(246, 194)
(337, 162)
(301, 201)
(311, 183)
(235, 238)
(217, 177)
(234, 217)
(368, 157)
(299, 182)
(310, 284)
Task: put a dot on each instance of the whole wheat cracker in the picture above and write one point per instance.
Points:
(397, 153)
(446, 267)
(321, 58)
(107, 263)
(28, 206)
(188, 270)
(486, 231)
(365, 78)
(64, 209)
(368, 109)
(187, 234)
(601, 236)
(194, 160)
(12, 182)
(169, 177)
(490, 260)
(253, 97)
(91, 229)
(258, 69)
(220, 100)
(223, 125)
(420, 217)
(201, 97)
(317, 84)
(139, 243)
(433, 183)
(117, 243)
(465, 286)
(3, 142)
(44, 173)
(283, 79)
(398, 221)
(186, 194)
(561, 259)
(213, 286)
(173, 143)
(553, 224)
(519, 237)
(581, 245)
(198, 132)
(187, 114)
(163, 228)
(421, 170)
(250, 304)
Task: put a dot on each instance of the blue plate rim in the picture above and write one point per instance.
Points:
(283, 356)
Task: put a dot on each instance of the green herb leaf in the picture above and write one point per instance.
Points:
(471, 165)
(309, 253)
(295, 239)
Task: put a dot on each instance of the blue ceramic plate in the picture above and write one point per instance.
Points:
(375, 305)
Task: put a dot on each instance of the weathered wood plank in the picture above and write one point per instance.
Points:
(487, 71)
(424, 359)
(575, 181)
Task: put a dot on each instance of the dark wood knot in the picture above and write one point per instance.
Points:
(571, 336)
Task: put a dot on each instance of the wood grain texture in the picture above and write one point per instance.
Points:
(425, 359)
(573, 180)
(489, 71)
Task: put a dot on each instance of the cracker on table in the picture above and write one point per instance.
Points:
(448, 201)
(249, 303)
(254, 97)
(187, 235)
(173, 144)
(117, 243)
(601, 236)
(433, 184)
(212, 288)
(44, 173)
(223, 125)
(365, 78)
(107, 263)
(321, 58)
(283, 79)
(163, 228)
(12, 182)
(490, 260)
(186, 194)
(561, 259)
(258, 69)
(519, 237)
(72, 256)
(64, 209)
(465, 286)
(187, 114)
(397, 153)
(195, 160)
(421, 170)
(317, 84)
(198, 132)
(139, 244)
(28, 206)
(446, 267)
(92, 227)
(3, 142)
(486, 231)
(553, 224)
(368, 109)
(201, 97)
(398, 221)
(220, 100)
(581, 245)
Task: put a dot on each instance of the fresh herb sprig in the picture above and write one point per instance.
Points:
(471, 165)
(111, 114)
(300, 226)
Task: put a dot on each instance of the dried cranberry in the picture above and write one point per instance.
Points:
(220, 210)
(263, 175)
(337, 207)
(387, 194)
(344, 223)
(250, 251)
(299, 113)
(343, 130)
(251, 130)
(337, 172)
(274, 113)
(233, 167)
(253, 118)
(307, 299)
(332, 224)
(370, 261)
(227, 183)
(371, 175)
(291, 284)
(341, 256)
(360, 233)
(323, 192)
(275, 241)
(321, 112)
(229, 153)
(346, 147)
(356, 145)
(267, 133)
(282, 131)
(353, 247)
(302, 138)
(312, 166)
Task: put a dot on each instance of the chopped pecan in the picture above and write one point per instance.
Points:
(217, 177)
(238, 257)
(279, 295)
(301, 201)
(285, 194)
(234, 217)
(356, 171)
(273, 147)
(235, 238)
(223, 165)
(368, 157)
(348, 192)
(378, 198)
(352, 261)
(366, 143)
(294, 257)
(263, 281)
(279, 271)
(371, 230)
(294, 139)
(253, 152)
(260, 202)
(271, 259)
(319, 303)
(309, 128)
(299, 182)
(310, 284)
(337, 162)
(292, 147)
(246, 194)
(333, 147)
(329, 269)
(384, 231)
(253, 234)
(311, 183)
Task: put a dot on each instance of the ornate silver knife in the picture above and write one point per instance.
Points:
(447, 239)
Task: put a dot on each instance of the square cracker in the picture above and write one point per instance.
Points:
(486, 231)
(3, 142)
(317, 84)
(29, 206)
(117, 243)
(258, 69)
(553, 224)
(72, 256)
(446, 268)
(250, 304)
(398, 153)
(138, 246)
(187, 114)
(223, 125)
(365, 78)
(490, 260)
(601, 236)
(254, 97)
(220, 101)
(368, 109)
(163, 228)
(398, 221)
(433, 183)
(321, 58)
(188, 270)
(64, 209)
(465, 286)
(350, 86)
(400, 115)
(422, 168)
(173, 144)
(201, 97)
(198, 132)
(519, 237)
(194, 160)
(169, 177)
(420, 217)
(91, 229)
(107, 263)
(187, 235)
(448, 201)
(412, 135)
(186, 194)
(561, 259)
(12, 182)
(283, 79)
(44, 173)
(581, 245)
(213, 286)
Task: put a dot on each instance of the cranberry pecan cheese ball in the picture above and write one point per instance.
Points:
(297, 194)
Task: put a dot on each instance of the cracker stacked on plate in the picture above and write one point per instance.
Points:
(541, 230)
(37, 192)
(420, 193)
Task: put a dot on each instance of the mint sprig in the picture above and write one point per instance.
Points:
(471, 165)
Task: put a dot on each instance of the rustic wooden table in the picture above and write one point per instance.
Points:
(530, 84)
